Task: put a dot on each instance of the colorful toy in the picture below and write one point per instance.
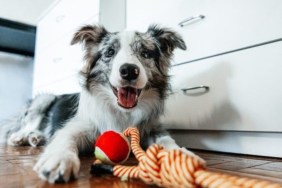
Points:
(175, 169)
(112, 148)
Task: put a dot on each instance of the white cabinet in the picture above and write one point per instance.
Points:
(235, 50)
(65, 17)
(227, 25)
(57, 63)
(244, 92)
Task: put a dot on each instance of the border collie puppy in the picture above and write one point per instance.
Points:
(125, 83)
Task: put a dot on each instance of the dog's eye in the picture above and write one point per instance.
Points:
(146, 54)
(110, 52)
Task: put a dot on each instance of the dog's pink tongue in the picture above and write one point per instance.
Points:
(127, 97)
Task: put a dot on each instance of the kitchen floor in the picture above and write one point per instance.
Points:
(16, 169)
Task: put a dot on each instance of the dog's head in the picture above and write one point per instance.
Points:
(133, 66)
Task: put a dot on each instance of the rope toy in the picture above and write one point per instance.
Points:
(174, 169)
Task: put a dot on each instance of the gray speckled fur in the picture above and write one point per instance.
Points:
(77, 119)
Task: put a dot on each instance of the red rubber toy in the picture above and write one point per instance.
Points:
(112, 148)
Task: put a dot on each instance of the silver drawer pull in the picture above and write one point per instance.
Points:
(205, 88)
(191, 20)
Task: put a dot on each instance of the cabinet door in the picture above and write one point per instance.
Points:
(58, 62)
(244, 92)
(66, 16)
(227, 25)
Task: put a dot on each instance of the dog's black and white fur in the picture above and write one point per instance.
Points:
(125, 83)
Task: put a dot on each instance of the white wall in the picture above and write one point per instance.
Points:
(25, 11)
(16, 74)
(113, 14)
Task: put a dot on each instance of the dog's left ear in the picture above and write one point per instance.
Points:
(168, 39)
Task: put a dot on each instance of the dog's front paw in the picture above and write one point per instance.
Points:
(58, 167)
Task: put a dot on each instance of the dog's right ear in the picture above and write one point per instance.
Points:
(89, 35)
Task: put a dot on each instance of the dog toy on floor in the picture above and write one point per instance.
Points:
(112, 148)
(173, 168)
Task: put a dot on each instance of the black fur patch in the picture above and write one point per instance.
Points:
(160, 83)
(63, 108)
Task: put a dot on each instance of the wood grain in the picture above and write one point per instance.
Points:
(16, 165)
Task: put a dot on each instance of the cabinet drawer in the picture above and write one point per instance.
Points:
(57, 62)
(227, 25)
(65, 17)
(244, 94)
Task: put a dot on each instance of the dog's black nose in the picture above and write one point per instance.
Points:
(129, 71)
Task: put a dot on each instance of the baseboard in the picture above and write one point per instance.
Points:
(251, 143)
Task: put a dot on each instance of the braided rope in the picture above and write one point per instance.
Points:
(176, 169)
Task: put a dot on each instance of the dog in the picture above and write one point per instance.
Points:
(124, 82)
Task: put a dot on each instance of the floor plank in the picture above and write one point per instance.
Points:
(264, 173)
(274, 166)
(16, 165)
(238, 165)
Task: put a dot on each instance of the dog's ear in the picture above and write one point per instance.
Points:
(168, 39)
(89, 35)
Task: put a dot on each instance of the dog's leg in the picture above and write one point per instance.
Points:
(163, 138)
(169, 143)
(60, 161)
(30, 133)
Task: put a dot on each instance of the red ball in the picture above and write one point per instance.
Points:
(112, 148)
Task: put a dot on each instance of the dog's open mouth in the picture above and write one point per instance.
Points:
(127, 97)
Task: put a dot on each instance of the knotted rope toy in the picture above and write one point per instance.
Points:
(173, 168)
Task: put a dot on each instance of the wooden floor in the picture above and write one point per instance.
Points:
(16, 169)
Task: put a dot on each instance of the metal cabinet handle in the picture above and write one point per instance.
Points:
(206, 88)
(191, 19)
